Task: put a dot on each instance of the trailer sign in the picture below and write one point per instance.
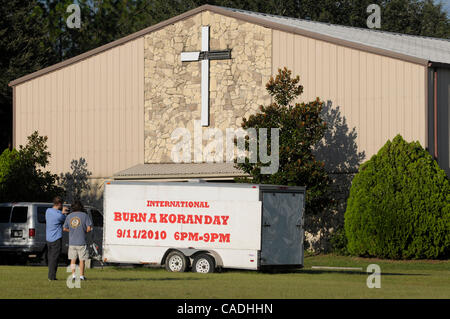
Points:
(145, 221)
(222, 224)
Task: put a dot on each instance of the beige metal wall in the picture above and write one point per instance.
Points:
(92, 109)
(378, 95)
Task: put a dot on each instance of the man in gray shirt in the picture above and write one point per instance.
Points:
(78, 223)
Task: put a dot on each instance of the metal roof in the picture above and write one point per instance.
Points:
(179, 170)
(432, 49)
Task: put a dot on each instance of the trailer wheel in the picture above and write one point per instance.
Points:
(204, 264)
(176, 262)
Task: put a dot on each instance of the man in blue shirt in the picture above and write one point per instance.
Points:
(54, 219)
(78, 223)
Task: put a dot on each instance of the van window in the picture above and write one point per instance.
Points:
(5, 212)
(41, 214)
(19, 214)
(97, 218)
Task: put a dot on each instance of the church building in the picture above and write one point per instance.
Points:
(118, 105)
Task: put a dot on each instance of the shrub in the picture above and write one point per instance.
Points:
(338, 242)
(399, 205)
(7, 161)
(22, 177)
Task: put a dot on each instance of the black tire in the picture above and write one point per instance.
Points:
(176, 262)
(204, 264)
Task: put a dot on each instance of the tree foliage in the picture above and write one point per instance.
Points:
(75, 183)
(300, 129)
(22, 177)
(399, 205)
(416, 17)
(25, 47)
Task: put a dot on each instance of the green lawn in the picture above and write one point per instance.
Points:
(399, 279)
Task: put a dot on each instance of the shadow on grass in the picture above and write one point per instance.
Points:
(142, 279)
(317, 272)
(350, 272)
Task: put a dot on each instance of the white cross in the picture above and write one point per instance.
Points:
(204, 56)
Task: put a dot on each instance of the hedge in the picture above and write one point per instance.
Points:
(399, 205)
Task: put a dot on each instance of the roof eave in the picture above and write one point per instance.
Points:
(178, 176)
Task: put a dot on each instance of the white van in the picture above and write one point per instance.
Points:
(203, 226)
(22, 230)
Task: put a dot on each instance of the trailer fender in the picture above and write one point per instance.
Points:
(214, 254)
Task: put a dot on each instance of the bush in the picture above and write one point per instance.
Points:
(7, 160)
(339, 242)
(399, 205)
(21, 173)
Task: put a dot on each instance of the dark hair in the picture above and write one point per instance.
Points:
(57, 200)
(77, 206)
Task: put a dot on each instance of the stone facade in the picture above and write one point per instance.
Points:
(172, 88)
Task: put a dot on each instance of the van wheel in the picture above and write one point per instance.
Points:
(176, 262)
(204, 264)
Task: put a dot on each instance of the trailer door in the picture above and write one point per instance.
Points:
(282, 229)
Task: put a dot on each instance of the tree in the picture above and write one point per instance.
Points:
(103, 21)
(416, 17)
(75, 182)
(24, 47)
(399, 205)
(7, 159)
(21, 173)
(300, 129)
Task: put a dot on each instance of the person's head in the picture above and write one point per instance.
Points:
(58, 202)
(77, 206)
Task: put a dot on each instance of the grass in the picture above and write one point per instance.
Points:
(399, 279)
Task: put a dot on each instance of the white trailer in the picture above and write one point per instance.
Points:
(203, 226)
